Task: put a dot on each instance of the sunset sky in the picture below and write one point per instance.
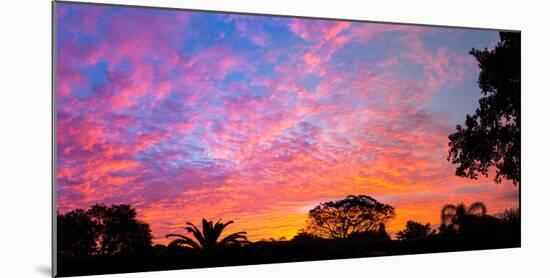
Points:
(258, 119)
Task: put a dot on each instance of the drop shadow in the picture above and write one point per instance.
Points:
(44, 270)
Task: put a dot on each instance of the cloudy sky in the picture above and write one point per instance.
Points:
(257, 119)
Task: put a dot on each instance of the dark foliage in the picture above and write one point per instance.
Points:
(304, 236)
(378, 234)
(103, 231)
(280, 251)
(415, 230)
(208, 239)
(490, 138)
(475, 231)
(75, 234)
(468, 220)
(354, 214)
(512, 215)
(118, 231)
(509, 228)
(460, 218)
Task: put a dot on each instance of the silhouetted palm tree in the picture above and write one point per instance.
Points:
(456, 217)
(207, 239)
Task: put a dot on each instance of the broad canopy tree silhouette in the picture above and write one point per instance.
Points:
(76, 234)
(355, 214)
(490, 138)
(102, 230)
(208, 239)
(118, 230)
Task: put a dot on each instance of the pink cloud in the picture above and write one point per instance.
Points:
(318, 29)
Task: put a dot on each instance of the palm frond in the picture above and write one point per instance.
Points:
(212, 231)
(218, 229)
(234, 238)
(207, 238)
(196, 233)
(174, 235)
(227, 224)
(183, 240)
(447, 213)
(477, 209)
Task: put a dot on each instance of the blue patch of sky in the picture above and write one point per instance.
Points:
(266, 70)
(409, 70)
(142, 114)
(314, 121)
(200, 150)
(311, 81)
(154, 60)
(72, 13)
(96, 75)
(208, 30)
(133, 130)
(171, 109)
(192, 151)
(461, 41)
(361, 54)
(233, 77)
(125, 67)
(281, 36)
(458, 101)
(463, 98)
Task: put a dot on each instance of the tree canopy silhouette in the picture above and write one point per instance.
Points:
(76, 235)
(415, 230)
(102, 230)
(118, 230)
(491, 136)
(207, 239)
(352, 215)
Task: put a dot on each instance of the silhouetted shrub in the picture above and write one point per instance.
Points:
(414, 230)
(304, 236)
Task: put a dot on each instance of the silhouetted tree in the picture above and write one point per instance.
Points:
(118, 230)
(354, 214)
(414, 230)
(207, 239)
(102, 230)
(75, 234)
(456, 218)
(491, 136)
